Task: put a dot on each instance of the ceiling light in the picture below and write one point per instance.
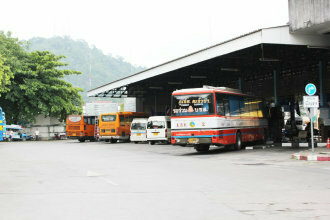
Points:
(198, 77)
(318, 47)
(174, 83)
(268, 59)
(155, 87)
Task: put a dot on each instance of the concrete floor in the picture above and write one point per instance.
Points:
(69, 180)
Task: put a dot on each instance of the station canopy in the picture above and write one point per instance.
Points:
(247, 62)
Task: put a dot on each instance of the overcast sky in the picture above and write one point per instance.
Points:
(143, 32)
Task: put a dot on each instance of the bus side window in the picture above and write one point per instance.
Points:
(226, 105)
(261, 108)
(220, 104)
(122, 120)
(234, 105)
(242, 107)
(127, 121)
(93, 120)
(247, 107)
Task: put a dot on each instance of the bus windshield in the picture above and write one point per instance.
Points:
(107, 118)
(193, 104)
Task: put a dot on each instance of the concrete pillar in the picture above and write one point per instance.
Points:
(240, 83)
(321, 69)
(155, 104)
(275, 87)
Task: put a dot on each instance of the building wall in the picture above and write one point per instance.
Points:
(311, 16)
(47, 126)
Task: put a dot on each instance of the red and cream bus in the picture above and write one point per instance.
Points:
(216, 116)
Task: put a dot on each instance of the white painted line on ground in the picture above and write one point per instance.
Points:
(109, 181)
(99, 175)
(249, 148)
(93, 174)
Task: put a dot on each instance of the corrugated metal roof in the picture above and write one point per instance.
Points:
(187, 55)
(272, 35)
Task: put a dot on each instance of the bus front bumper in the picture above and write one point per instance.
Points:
(191, 141)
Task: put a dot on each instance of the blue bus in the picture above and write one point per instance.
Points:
(2, 125)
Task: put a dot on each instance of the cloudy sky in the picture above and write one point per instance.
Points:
(143, 32)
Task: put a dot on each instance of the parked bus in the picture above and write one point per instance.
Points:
(2, 125)
(218, 116)
(82, 127)
(116, 126)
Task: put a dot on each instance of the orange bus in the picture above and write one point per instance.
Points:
(82, 127)
(116, 126)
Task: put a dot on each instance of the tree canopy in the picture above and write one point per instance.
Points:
(35, 83)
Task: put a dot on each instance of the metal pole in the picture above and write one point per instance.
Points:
(312, 135)
(275, 87)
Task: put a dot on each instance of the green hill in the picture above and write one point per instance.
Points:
(96, 67)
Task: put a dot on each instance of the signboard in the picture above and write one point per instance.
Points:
(311, 101)
(97, 108)
(130, 104)
(310, 89)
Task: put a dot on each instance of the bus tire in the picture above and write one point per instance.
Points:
(24, 139)
(238, 144)
(202, 148)
(81, 140)
(113, 141)
(151, 142)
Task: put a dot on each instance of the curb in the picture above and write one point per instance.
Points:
(258, 147)
(303, 145)
(311, 157)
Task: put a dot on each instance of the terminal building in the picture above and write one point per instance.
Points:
(275, 63)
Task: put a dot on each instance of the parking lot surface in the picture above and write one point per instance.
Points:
(98, 180)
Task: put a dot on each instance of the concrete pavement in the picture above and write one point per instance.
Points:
(71, 180)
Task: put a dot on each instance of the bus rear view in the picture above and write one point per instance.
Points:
(82, 127)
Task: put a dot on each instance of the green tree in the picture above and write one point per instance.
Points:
(5, 76)
(38, 85)
(12, 55)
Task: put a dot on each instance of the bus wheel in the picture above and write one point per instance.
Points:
(24, 138)
(151, 142)
(81, 140)
(113, 141)
(238, 144)
(202, 148)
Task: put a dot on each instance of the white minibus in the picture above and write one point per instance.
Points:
(139, 130)
(159, 129)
